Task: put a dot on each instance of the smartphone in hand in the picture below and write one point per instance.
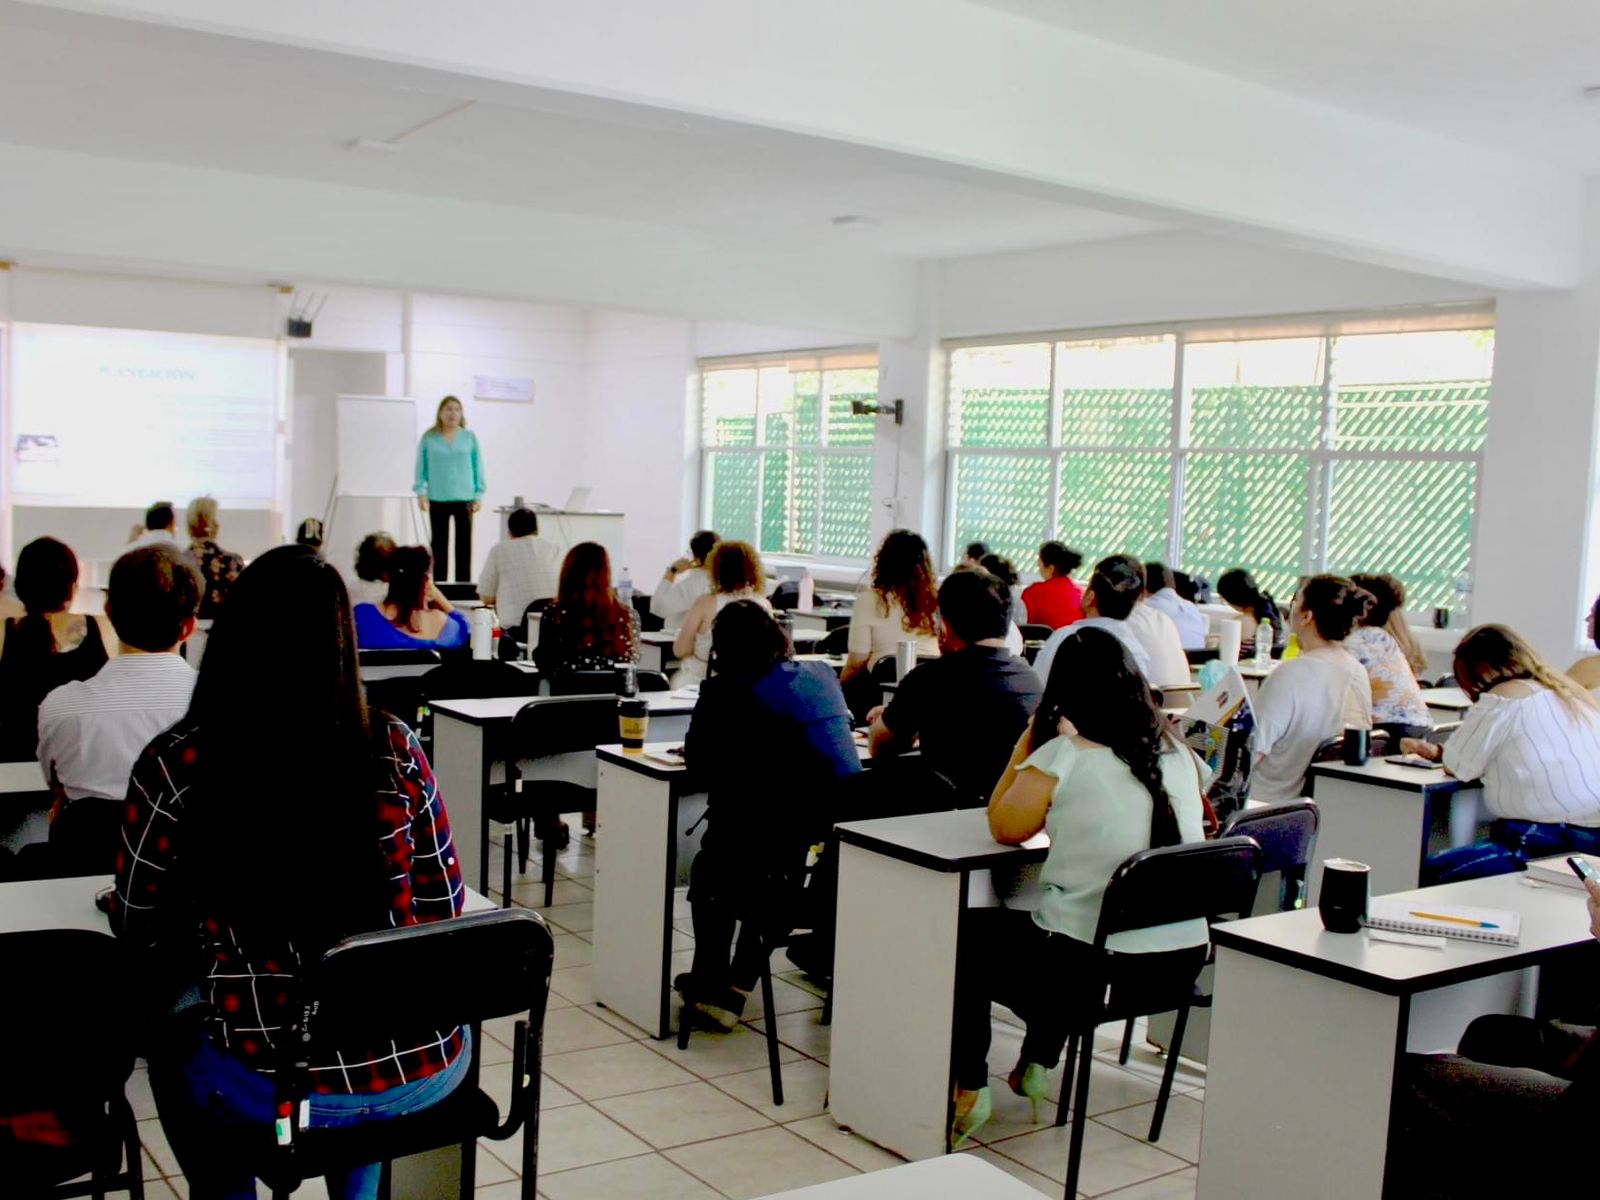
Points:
(1582, 869)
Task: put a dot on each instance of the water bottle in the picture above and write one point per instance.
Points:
(625, 589)
(482, 633)
(1264, 636)
(905, 658)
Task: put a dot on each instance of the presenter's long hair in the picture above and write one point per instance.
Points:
(285, 849)
(438, 413)
(586, 600)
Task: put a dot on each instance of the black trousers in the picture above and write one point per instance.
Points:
(440, 515)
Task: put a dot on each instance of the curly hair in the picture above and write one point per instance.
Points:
(903, 571)
(1095, 685)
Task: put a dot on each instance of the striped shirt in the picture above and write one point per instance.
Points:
(1537, 756)
(92, 731)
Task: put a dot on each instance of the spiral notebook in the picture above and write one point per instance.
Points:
(1499, 926)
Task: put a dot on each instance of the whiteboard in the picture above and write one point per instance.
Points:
(377, 452)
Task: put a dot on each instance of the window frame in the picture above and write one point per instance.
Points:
(1321, 459)
(761, 449)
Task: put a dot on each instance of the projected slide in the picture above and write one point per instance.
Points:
(116, 418)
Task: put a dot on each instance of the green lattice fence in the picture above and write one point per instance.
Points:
(732, 489)
(1246, 510)
(1115, 504)
(1444, 417)
(1410, 519)
(847, 509)
(1116, 416)
(1004, 501)
(1248, 417)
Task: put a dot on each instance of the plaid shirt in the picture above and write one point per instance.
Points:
(253, 989)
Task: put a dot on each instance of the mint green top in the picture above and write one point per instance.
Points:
(1099, 817)
(450, 471)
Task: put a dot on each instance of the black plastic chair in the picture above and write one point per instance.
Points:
(770, 944)
(459, 972)
(1332, 750)
(1035, 633)
(541, 730)
(71, 1053)
(396, 658)
(835, 641)
(470, 679)
(1154, 887)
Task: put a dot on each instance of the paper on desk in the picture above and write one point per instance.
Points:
(1406, 939)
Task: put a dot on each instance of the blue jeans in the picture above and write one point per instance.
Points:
(1510, 846)
(203, 1094)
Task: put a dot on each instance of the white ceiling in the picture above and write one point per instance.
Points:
(131, 91)
(1506, 74)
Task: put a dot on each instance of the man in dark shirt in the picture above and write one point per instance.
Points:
(968, 706)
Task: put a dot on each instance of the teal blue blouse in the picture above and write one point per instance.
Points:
(447, 471)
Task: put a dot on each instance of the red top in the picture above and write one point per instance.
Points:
(1054, 602)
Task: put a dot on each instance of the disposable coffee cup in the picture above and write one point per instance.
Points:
(1343, 901)
(633, 721)
(1357, 746)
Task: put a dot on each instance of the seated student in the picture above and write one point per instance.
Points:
(415, 614)
(91, 731)
(586, 628)
(47, 647)
(1397, 705)
(10, 607)
(734, 570)
(973, 555)
(1104, 773)
(371, 585)
(309, 534)
(160, 526)
(685, 581)
(770, 737)
(1532, 736)
(1240, 592)
(519, 570)
(218, 567)
(900, 605)
(245, 857)
(1586, 671)
(1312, 698)
(1006, 573)
(966, 707)
(1114, 589)
(1056, 600)
(1158, 634)
(1514, 1081)
(1161, 592)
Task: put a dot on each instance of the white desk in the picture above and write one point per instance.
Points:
(655, 651)
(25, 776)
(1446, 703)
(958, 1177)
(1384, 815)
(412, 670)
(1308, 1026)
(904, 883)
(468, 751)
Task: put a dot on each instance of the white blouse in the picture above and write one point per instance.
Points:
(1537, 756)
(878, 626)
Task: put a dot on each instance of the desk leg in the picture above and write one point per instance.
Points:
(1299, 1084)
(458, 769)
(1384, 827)
(894, 978)
(634, 876)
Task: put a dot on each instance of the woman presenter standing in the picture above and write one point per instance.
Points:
(450, 486)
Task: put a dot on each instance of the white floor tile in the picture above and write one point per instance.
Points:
(712, 1054)
(614, 1070)
(802, 1030)
(154, 1140)
(574, 984)
(1110, 1159)
(572, 951)
(1180, 1133)
(1178, 1186)
(675, 1116)
(648, 1178)
(805, 1089)
(573, 918)
(861, 1154)
(568, 1029)
(1039, 1183)
(578, 1136)
(759, 1163)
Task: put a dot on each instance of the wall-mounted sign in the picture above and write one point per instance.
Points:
(502, 387)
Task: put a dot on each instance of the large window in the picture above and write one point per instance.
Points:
(1349, 445)
(788, 466)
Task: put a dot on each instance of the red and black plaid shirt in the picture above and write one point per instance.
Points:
(253, 989)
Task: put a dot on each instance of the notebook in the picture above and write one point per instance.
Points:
(1495, 925)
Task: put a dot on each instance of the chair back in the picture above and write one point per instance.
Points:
(835, 641)
(1035, 633)
(1332, 750)
(652, 681)
(477, 679)
(396, 658)
(563, 725)
(436, 976)
(1287, 835)
(1195, 880)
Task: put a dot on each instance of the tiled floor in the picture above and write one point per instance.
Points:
(626, 1116)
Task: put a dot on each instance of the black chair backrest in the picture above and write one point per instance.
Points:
(458, 591)
(653, 681)
(395, 658)
(536, 606)
(475, 679)
(72, 1019)
(1286, 833)
(436, 976)
(1180, 883)
(563, 725)
(1332, 750)
(835, 641)
(1035, 633)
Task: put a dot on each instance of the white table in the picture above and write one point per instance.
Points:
(1446, 703)
(1308, 1027)
(468, 750)
(1384, 814)
(958, 1177)
(411, 670)
(25, 776)
(904, 884)
(655, 651)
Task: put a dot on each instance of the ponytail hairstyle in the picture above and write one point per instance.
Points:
(1495, 654)
(408, 569)
(903, 571)
(1062, 559)
(1116, 585)
(1334, 604)
(1388, 613)
(1095, 685)
(1239, 588)
(47, 577)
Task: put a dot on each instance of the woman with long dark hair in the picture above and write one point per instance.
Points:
(586, 627)
(49, 646)
(414, 614)
(1240, 591)
(770, 737)
(1102, 770)
(246, 856)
